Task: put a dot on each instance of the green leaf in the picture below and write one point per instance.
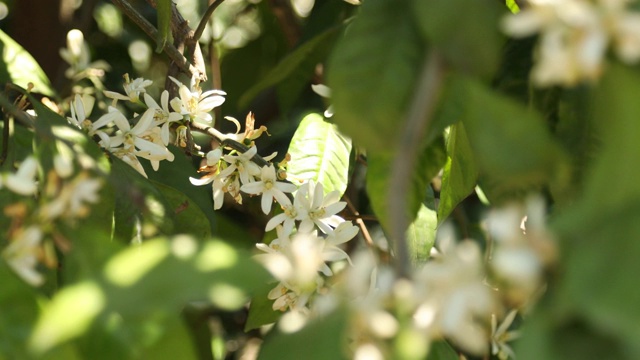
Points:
(319, 152)
(189, 219)
(84, 300)
(441, 350)
(323, 338)
(261, 310)
(421, 234)
(511, 144)
(15, 325)
(460, 172)
(137, 201)
(422, 230)
(164, 23)
(296, 68)
(20, 68)
(473, 48)
(513, 6)
(372, 73)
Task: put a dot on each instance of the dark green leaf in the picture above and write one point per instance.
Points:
(441, 350)
(261, 310)
(189, 219)
(322, 339)
(513, 148)
(473, 48)
(297, 68)
(372, 73)
(319, 153)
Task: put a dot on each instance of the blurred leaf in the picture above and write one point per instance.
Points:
(297, 68)
(261, 310)
(460, 172)
(321, 339)
(441, 350)
(473, 48)
(164, 22)
(511, 144)
(319, 152)
(163, 275)
(429, 164)
(20, 68)
(513, 6)
(15, 325)
(84, 301)
(372, 72)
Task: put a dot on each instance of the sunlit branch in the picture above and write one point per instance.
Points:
(413, 133)
(152, 32)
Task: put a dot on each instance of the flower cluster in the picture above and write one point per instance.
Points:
(461, 294)
(64, 195)
(575, 35)
(146, 135)
(309, 231)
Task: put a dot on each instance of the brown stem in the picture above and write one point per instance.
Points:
(178, 59)
(359, 221)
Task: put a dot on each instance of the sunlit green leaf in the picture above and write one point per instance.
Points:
(20, 68)
(84, 300)
(513, 6)
(421, 234)
(460, 172)
(319, 152)
(372, 72)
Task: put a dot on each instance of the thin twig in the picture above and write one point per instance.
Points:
(359, 221)
(413, 133)
(228, 141)
(152, 32)
(205, 19)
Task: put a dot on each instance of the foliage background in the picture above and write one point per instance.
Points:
(576, 146)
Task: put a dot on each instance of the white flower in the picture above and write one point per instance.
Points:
(133, 89)
(574, 35)
(72, 200)
(23, 181)
(22, 254)
(81, 108)
(129, 143)
(315, 208)
(325, 92)
(195, 103)
(295, 263)
(500, 336)
(163, 115)
(452, 297)
(242, 163)
(287, 218)
(270, 188)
